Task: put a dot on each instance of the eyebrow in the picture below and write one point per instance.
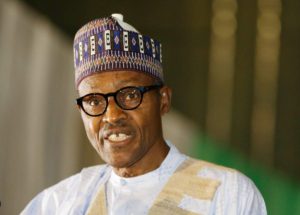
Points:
(121, 82)
(129, 80)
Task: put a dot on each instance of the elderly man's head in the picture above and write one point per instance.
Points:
(122, 96)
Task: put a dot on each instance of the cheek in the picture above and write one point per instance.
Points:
(149, 121)
(92, 127)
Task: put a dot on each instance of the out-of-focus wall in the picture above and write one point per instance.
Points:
(39, 126)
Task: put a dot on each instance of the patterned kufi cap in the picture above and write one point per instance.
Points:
(109, 44)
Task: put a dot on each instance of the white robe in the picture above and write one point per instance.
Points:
(236, 194)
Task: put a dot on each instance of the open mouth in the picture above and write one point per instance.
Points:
(118, 137)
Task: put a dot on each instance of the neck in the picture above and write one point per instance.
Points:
(149, 162)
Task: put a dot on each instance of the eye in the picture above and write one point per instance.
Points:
(129, 98)
(131, 95)
(94, 100)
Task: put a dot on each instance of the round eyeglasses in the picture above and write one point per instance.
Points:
(127, 98)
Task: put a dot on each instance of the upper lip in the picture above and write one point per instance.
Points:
(109, 132)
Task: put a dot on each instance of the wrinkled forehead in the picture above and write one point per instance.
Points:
(106, 82)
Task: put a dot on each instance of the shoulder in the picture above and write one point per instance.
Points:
(220, 173)
(236, 193)
(212, 171)
(85, 175)
(64, 191)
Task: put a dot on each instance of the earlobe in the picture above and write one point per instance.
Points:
(165, 105)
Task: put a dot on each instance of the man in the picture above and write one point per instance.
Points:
(122, 97)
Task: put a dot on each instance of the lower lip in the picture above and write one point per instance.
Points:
(119, 143)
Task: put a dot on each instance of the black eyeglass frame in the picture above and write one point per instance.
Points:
(141, 89)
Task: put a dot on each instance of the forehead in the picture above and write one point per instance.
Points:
(111, 81)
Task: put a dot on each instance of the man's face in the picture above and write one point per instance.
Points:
(124, 137)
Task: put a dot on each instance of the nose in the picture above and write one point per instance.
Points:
(113, 113)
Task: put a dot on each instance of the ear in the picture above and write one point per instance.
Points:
(165, 99)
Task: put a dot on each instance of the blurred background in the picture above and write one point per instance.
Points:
(234, 66)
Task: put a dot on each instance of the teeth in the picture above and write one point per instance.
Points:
(117, 137)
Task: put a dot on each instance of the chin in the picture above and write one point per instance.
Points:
(118, 164)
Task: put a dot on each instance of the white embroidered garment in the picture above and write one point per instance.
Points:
(235, 193)
(135, 195)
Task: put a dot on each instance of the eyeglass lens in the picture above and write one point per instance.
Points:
(128, 98)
